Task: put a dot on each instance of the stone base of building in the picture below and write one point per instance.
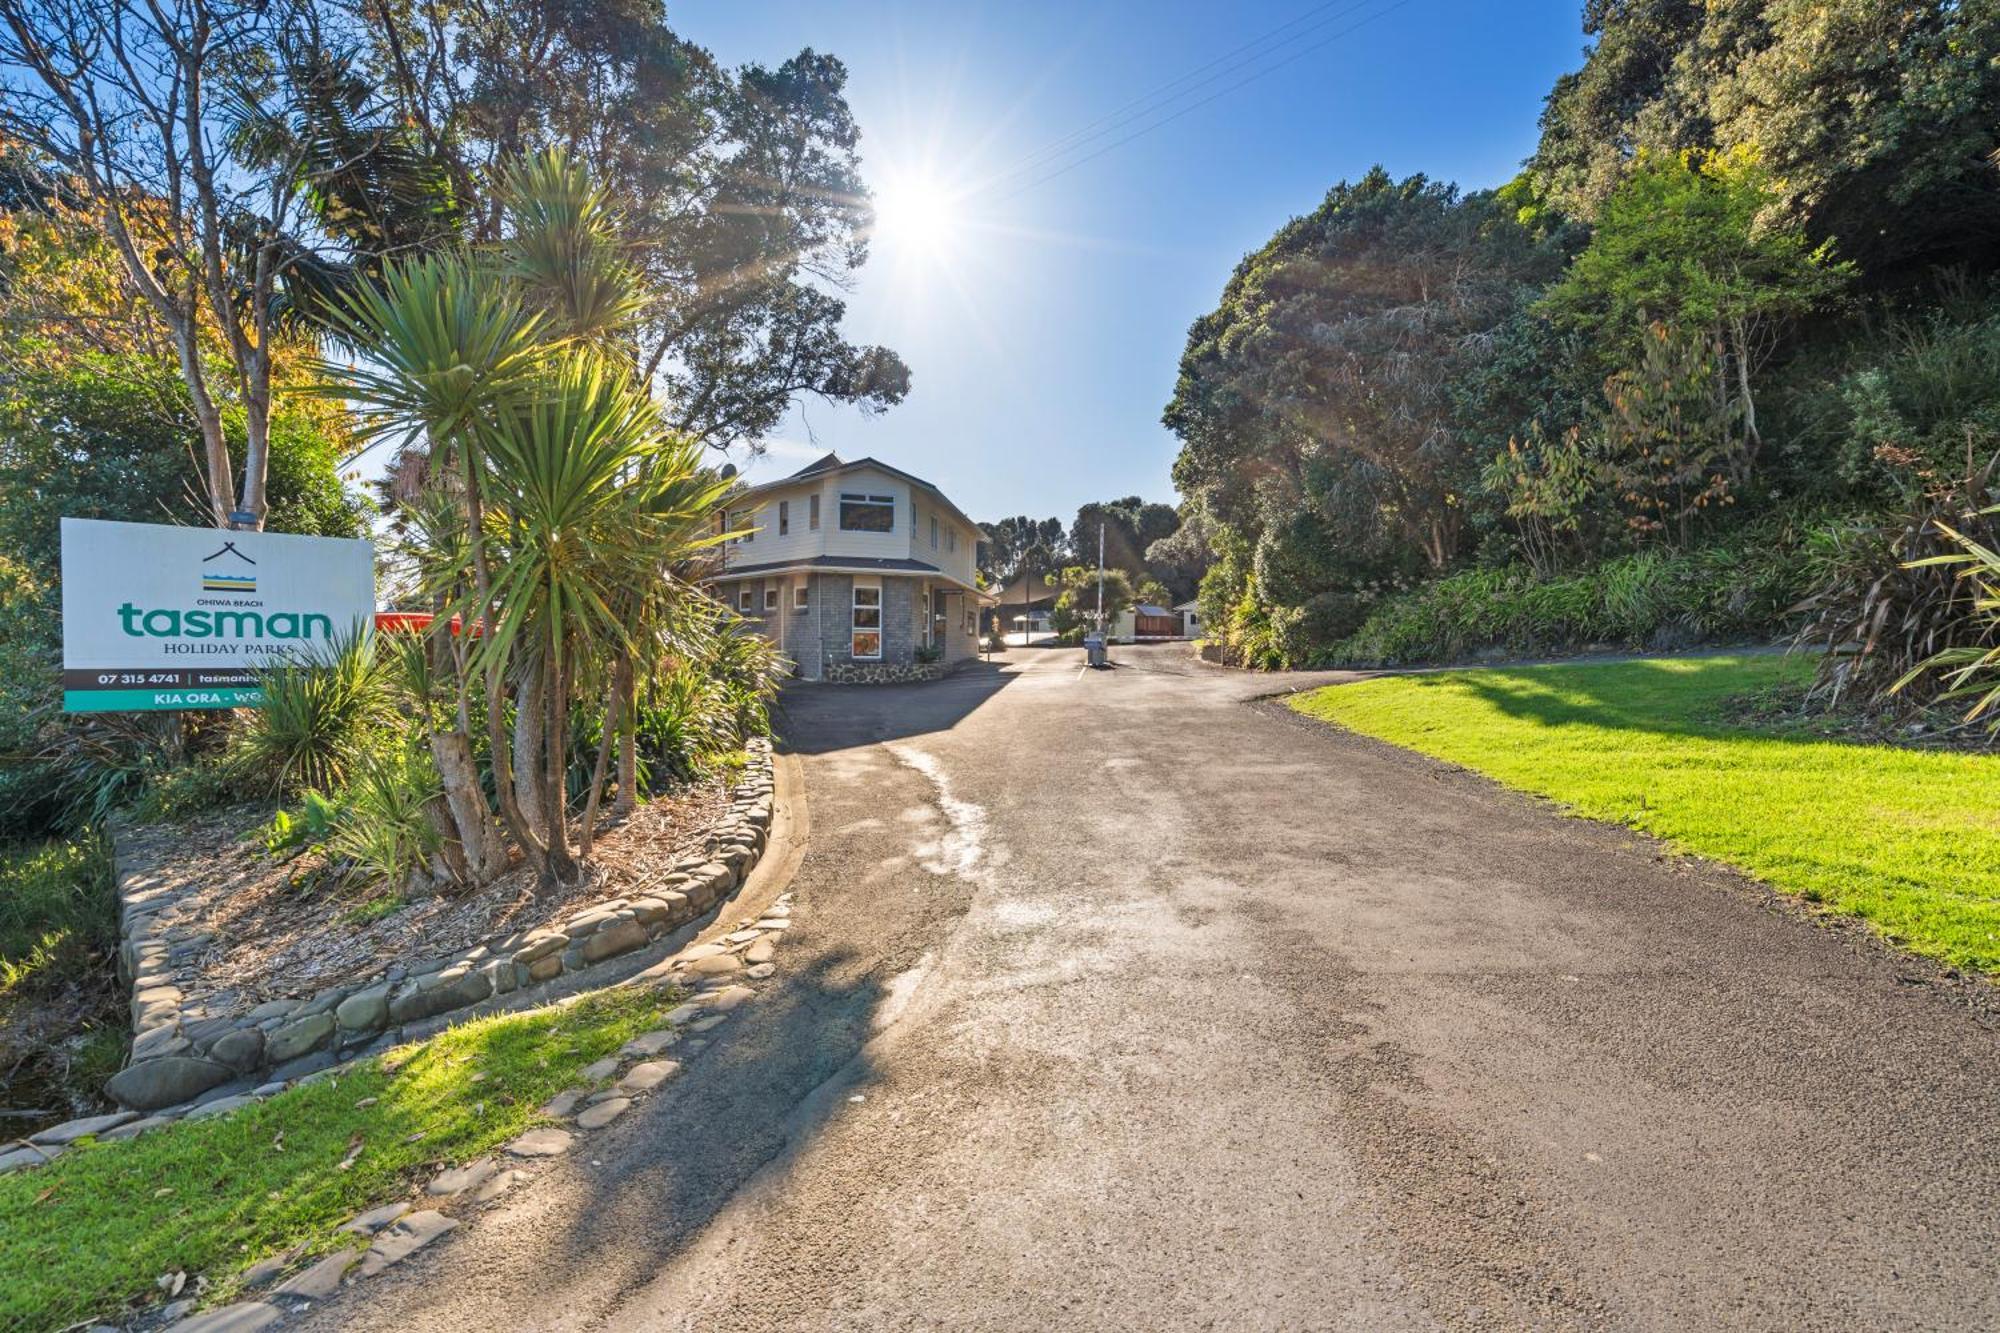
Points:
(884, 673)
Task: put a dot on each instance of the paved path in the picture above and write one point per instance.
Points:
(1119, 1003)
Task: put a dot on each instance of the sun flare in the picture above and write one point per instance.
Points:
(917, 216)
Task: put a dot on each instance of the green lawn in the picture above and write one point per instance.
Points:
(1907, 840)
(96, 1228)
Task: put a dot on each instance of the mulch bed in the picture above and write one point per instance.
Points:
(283, 929)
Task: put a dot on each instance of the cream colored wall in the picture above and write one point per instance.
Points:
(909, 540)
(872, 545)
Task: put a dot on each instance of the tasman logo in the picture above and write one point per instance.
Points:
(228, 578)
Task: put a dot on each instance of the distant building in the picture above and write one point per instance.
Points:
(1190, 614)
(1145, 623)
(1025, 606)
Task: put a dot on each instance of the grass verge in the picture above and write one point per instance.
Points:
(1906, 840)
(92, 1232)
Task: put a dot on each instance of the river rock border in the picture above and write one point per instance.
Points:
(886, 673)
(181, 1054)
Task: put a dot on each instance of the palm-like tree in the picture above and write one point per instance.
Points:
(579, 505)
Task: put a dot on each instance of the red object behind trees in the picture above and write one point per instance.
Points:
(408, 622)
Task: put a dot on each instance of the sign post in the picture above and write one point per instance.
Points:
(160, 617)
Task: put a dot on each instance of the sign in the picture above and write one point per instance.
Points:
(158, 617)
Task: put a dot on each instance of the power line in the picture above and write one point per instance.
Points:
(1196, 106)
(1172, 90)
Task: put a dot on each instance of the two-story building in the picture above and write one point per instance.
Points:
(856, 571)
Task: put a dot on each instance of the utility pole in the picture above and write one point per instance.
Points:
(1101, 627)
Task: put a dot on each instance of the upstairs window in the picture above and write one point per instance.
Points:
(934, 532)
(812, 513)
(951, 539)
(745, 522)
(784, 518)
(867, 513)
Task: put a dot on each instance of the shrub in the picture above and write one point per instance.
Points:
(384, 827)
(320, 716)
(1967, 669)
(746, 669)
(202, 783)
(685, 720)
(1656, 597)
(310, 826)
(1886, 595)
(1912, 392)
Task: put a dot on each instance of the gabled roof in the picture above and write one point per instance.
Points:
(1037, 589)
(824, 463)
(831, 465)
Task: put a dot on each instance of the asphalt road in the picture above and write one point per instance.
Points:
(1118, 1002)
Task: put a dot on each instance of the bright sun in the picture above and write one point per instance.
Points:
(919, 217)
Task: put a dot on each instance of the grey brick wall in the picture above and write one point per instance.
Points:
(816, 640)
(902, 620)
(832, 619)
(804, 640)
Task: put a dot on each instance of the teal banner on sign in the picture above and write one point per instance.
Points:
(139, 701)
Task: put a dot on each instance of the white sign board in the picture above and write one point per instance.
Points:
(168, 617)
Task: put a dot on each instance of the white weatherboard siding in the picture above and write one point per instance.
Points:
(955, 555)
(892, 545)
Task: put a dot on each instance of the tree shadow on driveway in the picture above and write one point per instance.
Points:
(814, 718)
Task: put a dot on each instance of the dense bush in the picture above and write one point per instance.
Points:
(1656, 598)
(1887, 592)
(384, 827)
(1575, 405)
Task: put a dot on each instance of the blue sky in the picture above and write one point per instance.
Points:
(1043, 319)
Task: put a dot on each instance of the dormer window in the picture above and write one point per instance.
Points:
(867, 513)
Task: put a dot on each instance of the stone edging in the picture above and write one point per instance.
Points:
(886, 673)
(186, 1062)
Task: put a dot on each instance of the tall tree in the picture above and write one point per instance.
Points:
(1877, 119)
(743, 208)
(1320, 391)
(1130, 526)
(1013, 547)
(130, 107)
(1684, 241)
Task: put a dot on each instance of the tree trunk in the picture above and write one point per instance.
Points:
(484, 850)
(450, 866)
(588, 832)
(530, 730)
(496, 698)
(561, 867)
(1752, 439)
(625, 682)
